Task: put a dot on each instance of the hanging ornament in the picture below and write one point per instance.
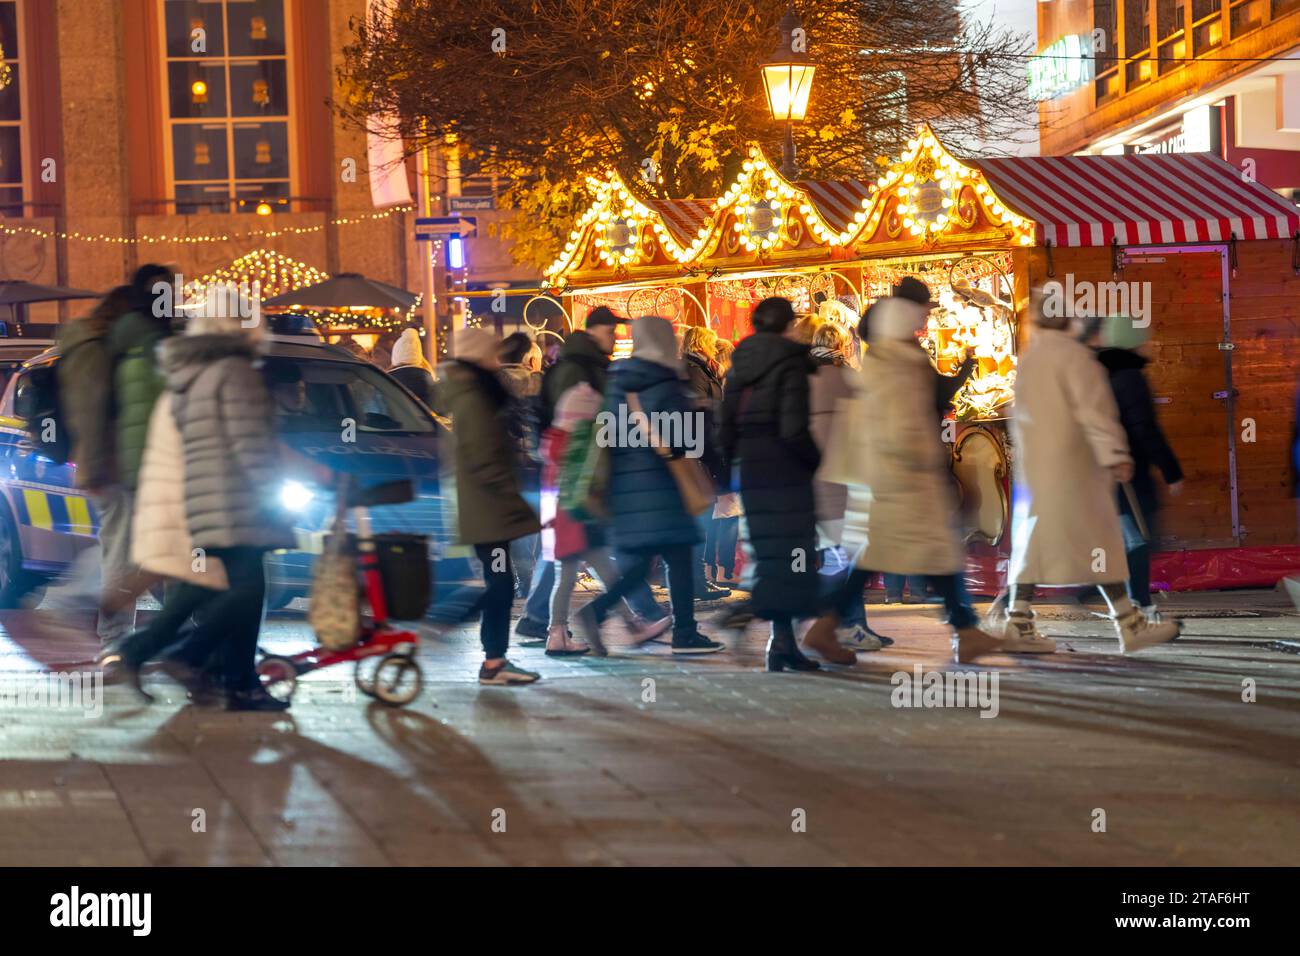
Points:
(257, 28)
(202, 157)
(263, 154)
(199, 92)
(6, 74)
(261, 92)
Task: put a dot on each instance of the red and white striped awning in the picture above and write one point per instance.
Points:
(837, 200)
(1138, 199)
(682, 217)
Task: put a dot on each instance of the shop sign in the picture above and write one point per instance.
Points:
(1065, 65)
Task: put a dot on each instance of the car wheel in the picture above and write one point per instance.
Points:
(15, 583)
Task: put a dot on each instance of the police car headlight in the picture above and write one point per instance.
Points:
(295, 496)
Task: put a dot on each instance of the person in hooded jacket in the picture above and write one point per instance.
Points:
(649, 518)
(764, 431)
(902, 504)
(1123, 351)
(584, 359)
(490, 508)
(225, 419)
(411, 368)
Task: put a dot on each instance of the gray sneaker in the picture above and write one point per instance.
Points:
(507, 673)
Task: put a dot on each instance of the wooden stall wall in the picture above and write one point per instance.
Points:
(1265, 312)
(1188, 377)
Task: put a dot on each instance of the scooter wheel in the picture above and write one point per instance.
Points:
(364, 675)
(398, 680)
(279, 676)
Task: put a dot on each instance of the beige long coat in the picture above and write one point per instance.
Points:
(902, 506)
(160, 537)
(1065, 527)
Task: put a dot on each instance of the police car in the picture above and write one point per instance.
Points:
(331, 406)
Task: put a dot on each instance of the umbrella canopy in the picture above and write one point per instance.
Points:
(346, 290)
(18, 292)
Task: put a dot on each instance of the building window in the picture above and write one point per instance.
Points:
(12, 167)
(228, 106)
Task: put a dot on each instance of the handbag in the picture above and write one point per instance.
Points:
(335, 609)
(694, 483)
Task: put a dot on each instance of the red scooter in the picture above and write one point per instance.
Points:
(386, 668)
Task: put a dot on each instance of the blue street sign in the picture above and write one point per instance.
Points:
(436, 227)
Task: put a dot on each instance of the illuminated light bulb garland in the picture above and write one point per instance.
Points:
(274, 273)
(9, 230)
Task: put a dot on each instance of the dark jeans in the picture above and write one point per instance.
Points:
(230, 620)
(915, 584)
(635, 566)
(494, 605)
(720, 544)
(846, 598)
(952, 588)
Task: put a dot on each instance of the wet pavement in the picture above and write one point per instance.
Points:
(1183, 754)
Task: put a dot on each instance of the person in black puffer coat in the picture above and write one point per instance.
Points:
(1121, 351)
(649, 518)
(764, 430)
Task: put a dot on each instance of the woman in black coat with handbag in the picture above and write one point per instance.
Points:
(649, 515)
(764, 432)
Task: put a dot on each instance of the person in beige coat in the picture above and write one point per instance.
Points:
(1070, 450)
(160, 536)
(902, 506)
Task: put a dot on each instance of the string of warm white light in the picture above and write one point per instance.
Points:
(9, 230)
(274, 274)
(762, 202)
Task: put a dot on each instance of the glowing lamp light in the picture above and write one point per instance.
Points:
(264, 209)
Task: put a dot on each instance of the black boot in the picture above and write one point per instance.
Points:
(254, 698)
(783, 651)
(119, 668)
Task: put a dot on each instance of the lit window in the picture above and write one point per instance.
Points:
(12, 181)
(228, 105)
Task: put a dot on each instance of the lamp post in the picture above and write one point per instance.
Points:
(787, 81)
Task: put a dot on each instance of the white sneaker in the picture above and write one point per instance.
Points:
(1021, 636)
(1152, 614)
(1136, 632)
(858, 638)
(560, 642)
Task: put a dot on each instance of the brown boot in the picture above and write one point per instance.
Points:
(972, 643)
(820, 638)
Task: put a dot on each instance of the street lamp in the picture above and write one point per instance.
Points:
(787, 81)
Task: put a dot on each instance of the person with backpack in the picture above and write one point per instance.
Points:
(85, 404)
(584, 357)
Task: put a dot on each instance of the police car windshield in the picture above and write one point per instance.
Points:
(313, 396)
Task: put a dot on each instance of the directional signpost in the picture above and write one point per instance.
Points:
(438, 227)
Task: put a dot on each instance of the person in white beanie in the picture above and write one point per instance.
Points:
(231, 456)
(411, 368)
(490, 508)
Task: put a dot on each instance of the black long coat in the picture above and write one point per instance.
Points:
(764, 432)
(1146, 439)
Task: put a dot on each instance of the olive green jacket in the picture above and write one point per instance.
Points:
(489, 504)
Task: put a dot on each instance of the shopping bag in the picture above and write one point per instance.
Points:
(694, 483)
(584, 475)
(335, 609)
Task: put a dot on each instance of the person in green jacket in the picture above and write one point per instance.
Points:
(137, 380)
(490, 507)
(86, 399)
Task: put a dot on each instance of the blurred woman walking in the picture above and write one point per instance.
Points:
(764, 431)
(649, 516)
(490, 508)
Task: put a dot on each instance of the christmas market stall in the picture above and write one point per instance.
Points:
(1213, 272)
